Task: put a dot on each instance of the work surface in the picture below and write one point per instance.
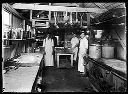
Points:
(22, 79)
(114, 65)
(63, 51)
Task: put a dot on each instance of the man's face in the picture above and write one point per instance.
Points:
(82, 35)
(48, 35)
(74, 35)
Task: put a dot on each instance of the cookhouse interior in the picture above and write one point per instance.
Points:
(64, 47)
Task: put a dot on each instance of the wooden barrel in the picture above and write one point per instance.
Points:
(95, 51)
(108, 52)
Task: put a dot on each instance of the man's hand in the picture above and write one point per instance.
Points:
(44, 53)
(75, 46)
(86, 55)
(52, 52)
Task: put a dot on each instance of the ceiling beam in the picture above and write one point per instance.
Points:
(65, 4)
(56, 8)
(39, 12)
(99, 5)
(91, 16)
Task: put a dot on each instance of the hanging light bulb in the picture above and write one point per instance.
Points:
(88, 31)
(57, 26)
(38, 16)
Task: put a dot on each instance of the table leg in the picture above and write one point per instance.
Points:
(71, 60)
(57, 60)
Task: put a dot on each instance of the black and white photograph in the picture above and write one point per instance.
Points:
(64, 47)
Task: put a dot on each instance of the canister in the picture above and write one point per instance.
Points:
(108, 51)
(95, 51)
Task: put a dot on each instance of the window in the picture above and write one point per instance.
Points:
(6, 18)
(6, 22)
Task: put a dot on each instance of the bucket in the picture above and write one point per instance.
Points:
(95, 51)
(99, 34)
(108, 52)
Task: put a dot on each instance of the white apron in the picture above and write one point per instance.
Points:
(74, 41)
(82, 51)
(75, 53)
(48, 44)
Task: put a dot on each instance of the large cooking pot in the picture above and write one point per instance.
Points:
(108, 51)
(95, 51)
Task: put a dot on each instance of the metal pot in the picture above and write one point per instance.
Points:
(108, 51)
(95, 51)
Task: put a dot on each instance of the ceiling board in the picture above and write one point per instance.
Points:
(103, 5)
(93, 6)
(87, 5)
(119, 5)
(110, 6)
(107, 4)
(64, 4)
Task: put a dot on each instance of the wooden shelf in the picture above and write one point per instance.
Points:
(6, 46)
(30, 39)
(16, 39)
(39, 19)
(42, 19)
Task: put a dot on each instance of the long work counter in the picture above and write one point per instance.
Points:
(117, 67)
(107, 74)
(22, 79)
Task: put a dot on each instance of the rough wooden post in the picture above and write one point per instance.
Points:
(55, 14)
(49, 13)
(76, 17)
(30, 14)
(70, 17)
(88, 20)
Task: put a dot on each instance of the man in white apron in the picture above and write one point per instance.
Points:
(82, 52)
(48, 45)
(74, 43)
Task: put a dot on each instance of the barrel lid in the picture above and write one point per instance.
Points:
(95, 45)
(108, 45)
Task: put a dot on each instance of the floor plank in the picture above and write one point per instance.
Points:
(65, 80)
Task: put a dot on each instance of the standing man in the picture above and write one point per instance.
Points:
(48, 45)
(74, 43)
(82, 52)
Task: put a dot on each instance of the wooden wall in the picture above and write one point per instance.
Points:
(119, 33)
(12, 48)
(115, 26)
(17, 22)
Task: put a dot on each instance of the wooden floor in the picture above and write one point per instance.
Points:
(64, 80)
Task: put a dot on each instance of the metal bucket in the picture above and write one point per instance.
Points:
(99, 33)
(95, 51)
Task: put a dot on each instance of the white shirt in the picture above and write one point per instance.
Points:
(74, 41)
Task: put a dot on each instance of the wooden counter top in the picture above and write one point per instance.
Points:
(22, 79)
(63, 51)
(117, 67)
(29, 59)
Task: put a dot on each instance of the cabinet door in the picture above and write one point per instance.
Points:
(107, 75)
(102, 77)
(119, 84)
